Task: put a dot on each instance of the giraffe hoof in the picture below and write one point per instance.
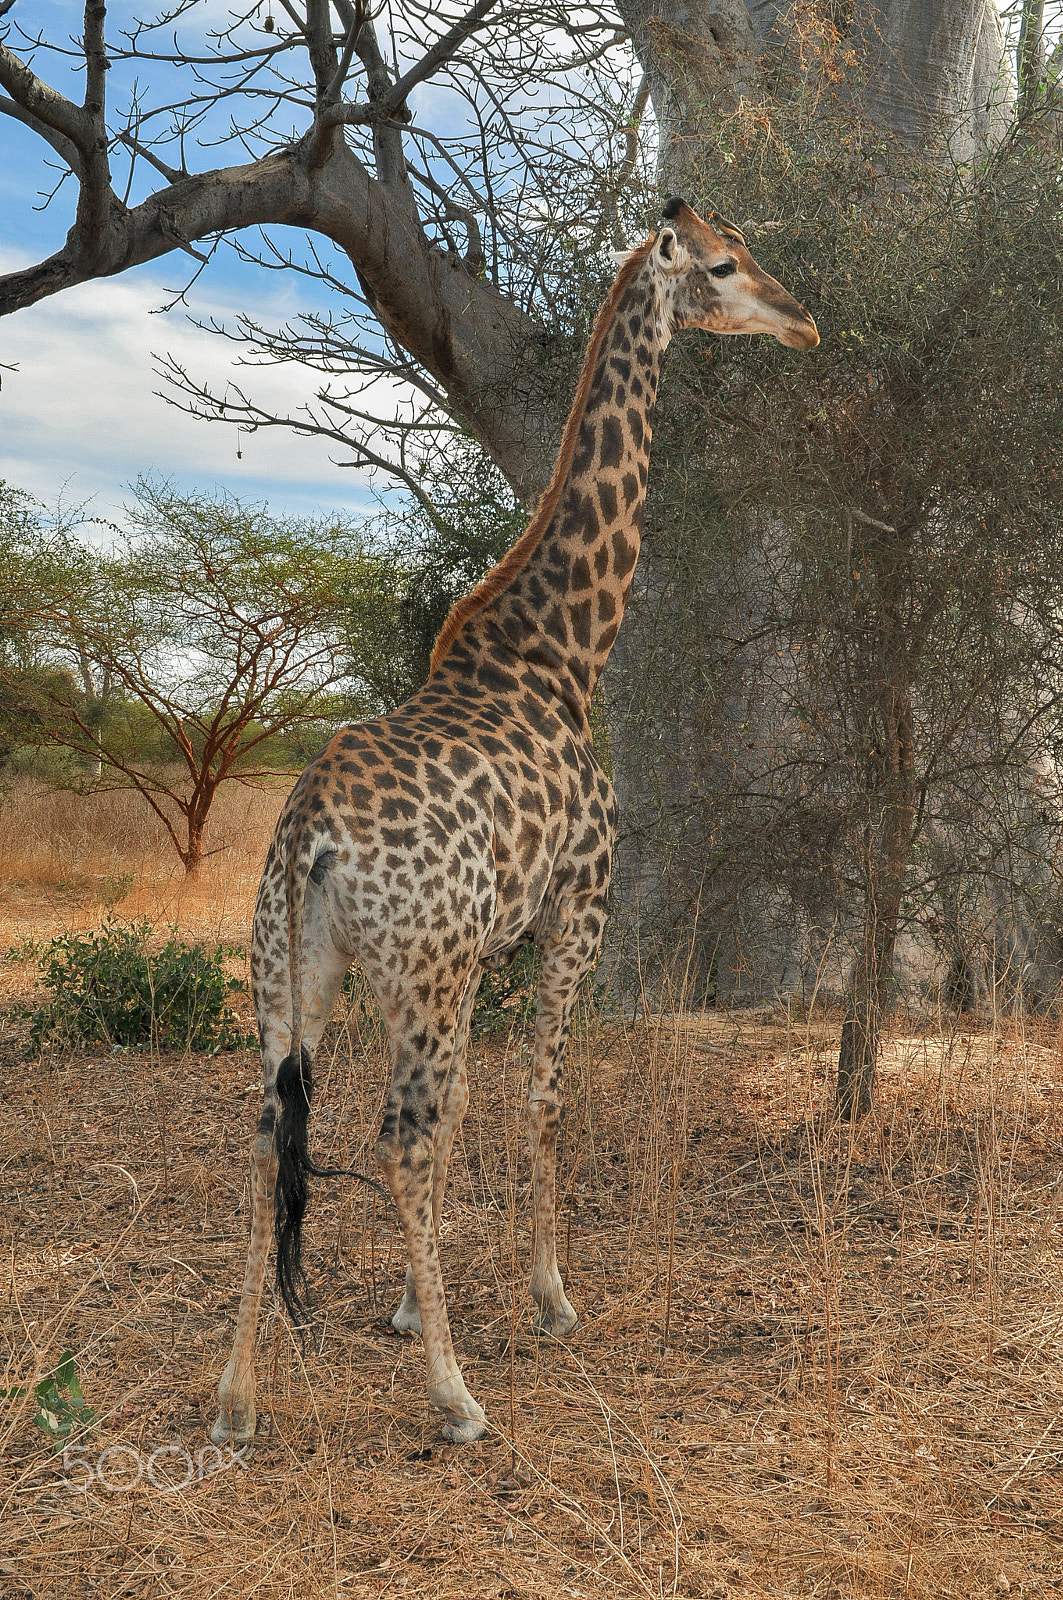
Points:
(407, 1319)
(555, 1318)
(464, 1420)
(464, 1430)
(234, 1428)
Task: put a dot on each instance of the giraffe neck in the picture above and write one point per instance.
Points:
(562, 609)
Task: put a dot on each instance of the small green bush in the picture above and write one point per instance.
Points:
(109, 986)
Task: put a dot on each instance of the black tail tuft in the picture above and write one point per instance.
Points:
(295, 1087)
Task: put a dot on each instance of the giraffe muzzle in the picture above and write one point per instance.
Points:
(800, 335)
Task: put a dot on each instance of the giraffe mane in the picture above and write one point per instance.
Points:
(518, 555)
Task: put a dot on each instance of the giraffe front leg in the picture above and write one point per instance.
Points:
(407, 1318)
(235, 1425)
(556, 1316)
(564, 966)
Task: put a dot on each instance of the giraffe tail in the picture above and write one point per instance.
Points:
(295, 1089)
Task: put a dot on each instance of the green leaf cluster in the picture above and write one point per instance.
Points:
(111, 986)
(506, 996)
(431, 554)
(62, 1410)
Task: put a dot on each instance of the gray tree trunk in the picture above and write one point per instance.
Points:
(933, 73)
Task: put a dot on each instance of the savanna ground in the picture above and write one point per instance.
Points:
(808, 1362)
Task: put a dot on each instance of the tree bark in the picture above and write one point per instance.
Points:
(931, 68)
(699, 57)
(195, 849)
(936, 70)
(887, 844)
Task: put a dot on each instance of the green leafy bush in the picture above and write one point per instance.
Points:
(110, 986)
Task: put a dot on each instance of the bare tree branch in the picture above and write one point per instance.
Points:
(60, 143)
(171, 174)
(395, 99)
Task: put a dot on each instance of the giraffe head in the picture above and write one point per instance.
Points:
(708, 279)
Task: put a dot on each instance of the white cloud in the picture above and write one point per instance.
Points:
(81, 410)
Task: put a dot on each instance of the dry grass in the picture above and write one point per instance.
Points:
(807, 1364)
(65, 859)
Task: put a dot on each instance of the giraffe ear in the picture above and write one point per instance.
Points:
(670, 254)
(620, 256)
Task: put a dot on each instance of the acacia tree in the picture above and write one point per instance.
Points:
(215, 629)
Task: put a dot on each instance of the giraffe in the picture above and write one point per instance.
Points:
(430, 843)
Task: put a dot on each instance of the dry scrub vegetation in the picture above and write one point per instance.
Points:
(65, 858)
(809, 1362)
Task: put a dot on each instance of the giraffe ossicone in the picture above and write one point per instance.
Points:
(434, 841)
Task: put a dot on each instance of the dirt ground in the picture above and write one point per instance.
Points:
(808, 1362)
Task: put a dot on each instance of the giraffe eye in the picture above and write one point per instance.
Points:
(724, 270)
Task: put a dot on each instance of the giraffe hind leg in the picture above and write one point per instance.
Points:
(236, 1420)
(565, 964)
(407, 1318)
(406, 1154)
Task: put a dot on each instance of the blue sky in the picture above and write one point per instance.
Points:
(80, 416)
